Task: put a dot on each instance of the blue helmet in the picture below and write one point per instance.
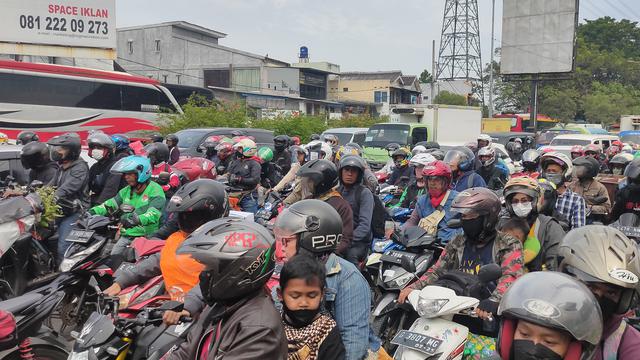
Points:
(121, 141)
(134, 163)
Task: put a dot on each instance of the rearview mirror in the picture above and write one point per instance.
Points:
(36, 184)
(489, 273)
(408, 265)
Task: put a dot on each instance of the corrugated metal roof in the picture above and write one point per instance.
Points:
(375, 75)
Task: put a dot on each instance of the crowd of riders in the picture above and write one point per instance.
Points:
(295, 289)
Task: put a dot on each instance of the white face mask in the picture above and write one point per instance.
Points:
(97, 154)
(522, 210)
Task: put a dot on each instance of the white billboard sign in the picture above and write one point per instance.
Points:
(70, 23)
(538, 36)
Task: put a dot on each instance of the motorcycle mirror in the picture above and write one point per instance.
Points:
(489, 273)
(454, 223)
(36, 184)
(126, 208)
(176, 306)
(408, 265)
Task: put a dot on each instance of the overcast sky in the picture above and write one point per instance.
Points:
(358, 35)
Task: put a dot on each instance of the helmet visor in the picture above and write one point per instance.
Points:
(307, 187)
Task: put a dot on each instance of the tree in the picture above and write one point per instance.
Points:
(448, 98)
(425, 76)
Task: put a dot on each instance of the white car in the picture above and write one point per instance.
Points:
(564, 143)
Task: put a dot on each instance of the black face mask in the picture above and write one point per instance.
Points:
(527, 350)
(473, 227)
(299, 318)
(607, 306)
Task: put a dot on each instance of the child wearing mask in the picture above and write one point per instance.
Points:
(311, 334)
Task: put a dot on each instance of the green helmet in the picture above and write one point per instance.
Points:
(265, 153)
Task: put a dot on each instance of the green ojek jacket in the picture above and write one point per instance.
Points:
(148, 205)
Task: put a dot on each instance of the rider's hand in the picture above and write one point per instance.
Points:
(130, 220)
(172, 317)
(113, 290)
(404, 293)
(486, 309)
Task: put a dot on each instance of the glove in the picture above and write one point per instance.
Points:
(234, 179)
(130, 220)
(488, 306)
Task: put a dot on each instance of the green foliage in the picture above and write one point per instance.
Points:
(425, 76)
(51, 209)
(448, 98)
(199, 113)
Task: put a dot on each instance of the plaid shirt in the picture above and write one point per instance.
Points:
(572, 206)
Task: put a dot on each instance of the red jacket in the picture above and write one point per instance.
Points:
(174, 179)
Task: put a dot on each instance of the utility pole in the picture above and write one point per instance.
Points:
(493, 16)
(433, 70)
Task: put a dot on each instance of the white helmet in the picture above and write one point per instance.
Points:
(487, 151)
(317, 149)
(558, 158)
(485, 137)
(418, 149)
(422, 159)
(627, 149)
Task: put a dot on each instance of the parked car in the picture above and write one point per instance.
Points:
(563, 143)
(347, 135)
(190, 139)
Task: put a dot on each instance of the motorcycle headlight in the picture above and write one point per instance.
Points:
(379, 246)
(84, 355)
(429, 307)
(71, 260)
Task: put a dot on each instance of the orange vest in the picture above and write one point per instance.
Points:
(180, 272)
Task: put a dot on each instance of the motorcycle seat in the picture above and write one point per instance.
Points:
(18, 304)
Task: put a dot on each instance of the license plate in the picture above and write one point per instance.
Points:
(395, 256)
(424, 344)
(630, 231)
(80, 236)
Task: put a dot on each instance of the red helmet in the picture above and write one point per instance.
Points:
(612, 151)
(438, 168)
(577, 151)
(224, 149)
(295, 140)
(617, 143)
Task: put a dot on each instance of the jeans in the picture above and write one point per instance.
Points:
(64, 228)
(249, 202)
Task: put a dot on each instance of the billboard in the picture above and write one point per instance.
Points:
(69, 23)
(538, 36)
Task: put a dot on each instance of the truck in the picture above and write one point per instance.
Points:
(521, 122)
(413, 123)
(496, 125)
(629, 122)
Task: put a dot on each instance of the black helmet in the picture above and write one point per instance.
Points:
(552, 300)
(27, 136)
(632, 172)
(531, 160)
(430, 144)
(586, 167)
(238, 256)
(281, 142)
(102, 140)
(314, 137)
(157, 153)
(173, 138)
(316, 223)
(34, 155)
(353, 161)
(436, 153)
(157, 138)
(323, 174)
(197, 202)
(69, 141)
(619, 163)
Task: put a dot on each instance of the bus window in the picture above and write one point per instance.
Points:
(144, 99)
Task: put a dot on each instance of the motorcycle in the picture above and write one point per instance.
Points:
(434, 335)
(108, 335)
(24, 261)
(196, 168)
(629, 224)
(420, 249)
(27, 336)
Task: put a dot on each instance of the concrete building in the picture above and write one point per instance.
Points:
(183, 53)
(372, 92)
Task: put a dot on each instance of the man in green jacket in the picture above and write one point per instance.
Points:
(146, 197)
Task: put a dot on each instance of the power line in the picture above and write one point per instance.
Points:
(629, 9)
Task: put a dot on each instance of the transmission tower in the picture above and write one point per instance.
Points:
(459, 55)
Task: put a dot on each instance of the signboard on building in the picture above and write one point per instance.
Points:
(538, 37)
(42, 25)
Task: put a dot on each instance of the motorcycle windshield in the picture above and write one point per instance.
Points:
(97, 330)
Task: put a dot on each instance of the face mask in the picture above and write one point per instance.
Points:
(473, 227)
(607, 306)
(56, 156)
(527, 350)
(522, 210)
(97, 154)
(299, 318)
(554, 178)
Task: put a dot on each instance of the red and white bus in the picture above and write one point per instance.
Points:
(54, 99)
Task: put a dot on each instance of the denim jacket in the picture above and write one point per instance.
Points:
(424, 209)
(348, 299)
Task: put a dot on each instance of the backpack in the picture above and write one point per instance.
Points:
(379, 214)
